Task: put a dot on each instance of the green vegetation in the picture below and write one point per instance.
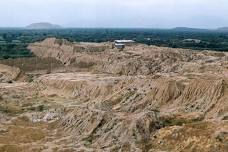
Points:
(9, 108)
(14, 42)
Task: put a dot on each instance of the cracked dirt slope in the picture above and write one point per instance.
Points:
(144, 98)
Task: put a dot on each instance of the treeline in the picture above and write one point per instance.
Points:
(14, 42)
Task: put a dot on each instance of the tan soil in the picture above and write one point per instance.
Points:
(144, 98)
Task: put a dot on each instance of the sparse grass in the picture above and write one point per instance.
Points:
(178, 121)
(174, 122)
(11, 109)
(24, 119)
(38, 108)
(200, 125)
(23, 131)
(10, 148)
(82, 64)
(32, 64)
(30, 78)
(128, 95)
(26, 135)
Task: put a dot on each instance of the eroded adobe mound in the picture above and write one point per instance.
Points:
(108, 113)
(144, 98)
(8, 73)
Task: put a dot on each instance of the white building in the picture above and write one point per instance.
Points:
(192, 40)
(120, 44)
(125, 42)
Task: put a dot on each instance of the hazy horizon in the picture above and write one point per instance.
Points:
(116, 14)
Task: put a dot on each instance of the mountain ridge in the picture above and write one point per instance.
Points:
(43, 25)
(223, 28)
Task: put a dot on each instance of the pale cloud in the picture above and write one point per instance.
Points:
(116, 13)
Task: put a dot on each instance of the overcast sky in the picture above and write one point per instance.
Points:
(116, 13)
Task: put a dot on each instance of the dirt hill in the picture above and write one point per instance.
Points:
(43, 25)
(8, 73)
(143, 98)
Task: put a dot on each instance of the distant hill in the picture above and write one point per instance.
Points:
(43, 25)
(189, 29)
(223, 29)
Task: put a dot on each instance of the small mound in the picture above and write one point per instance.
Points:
(65, 51)
(109, 131)
(8, 73)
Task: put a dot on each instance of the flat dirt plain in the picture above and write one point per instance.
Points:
(91, 97)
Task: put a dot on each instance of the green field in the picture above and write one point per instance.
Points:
(14, 42)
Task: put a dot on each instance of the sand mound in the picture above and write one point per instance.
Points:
(8, 73)
(63, 50)
(134, 94)
(144, 98)
(109, 131)
(125, 112)
(134, 60)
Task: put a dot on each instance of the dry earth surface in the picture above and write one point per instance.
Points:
(86, 97)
